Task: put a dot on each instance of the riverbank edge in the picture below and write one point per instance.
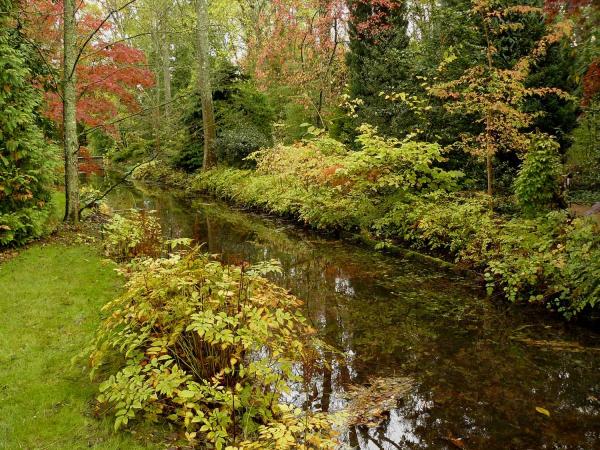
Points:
(559, 278)
(183, 183)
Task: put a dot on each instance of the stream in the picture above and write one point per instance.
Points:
(480, 367)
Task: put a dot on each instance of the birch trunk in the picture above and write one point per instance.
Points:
(208, 115)
(166, 69)
(70, 138)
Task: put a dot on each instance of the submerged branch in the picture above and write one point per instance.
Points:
(115, 185)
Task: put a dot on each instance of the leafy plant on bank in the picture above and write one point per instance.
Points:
(550, 260)
(325, 184)
(583, 158)
(394, 191)
(448, 224)
(538, 182)
(381, 165)
(131, 236)
(234, 145)
(212, 349)
(158, 171)
(553, 260)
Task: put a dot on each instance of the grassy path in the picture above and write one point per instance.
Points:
(50, 297)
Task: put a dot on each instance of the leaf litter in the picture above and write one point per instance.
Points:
(371, 403)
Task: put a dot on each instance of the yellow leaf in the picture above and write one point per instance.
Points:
(543, 411)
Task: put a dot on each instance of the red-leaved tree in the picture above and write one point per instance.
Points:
(300, 44)
(110, 75)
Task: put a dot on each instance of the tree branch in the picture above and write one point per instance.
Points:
(93, 33)
(113, 43)
(140, 112)
(115, 185)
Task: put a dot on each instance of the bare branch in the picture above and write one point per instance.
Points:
(115, 185)
(93, 33)
(138, 113)
(89, 55)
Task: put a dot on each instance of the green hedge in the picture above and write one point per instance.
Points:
(26, 159)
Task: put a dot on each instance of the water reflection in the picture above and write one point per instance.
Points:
(478, 382)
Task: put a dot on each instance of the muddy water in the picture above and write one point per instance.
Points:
(481, 367)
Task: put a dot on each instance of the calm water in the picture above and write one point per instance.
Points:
(480, 369)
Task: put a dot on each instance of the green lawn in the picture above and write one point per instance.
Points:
(50, 299)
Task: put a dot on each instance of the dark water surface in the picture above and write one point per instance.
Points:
(480, 367)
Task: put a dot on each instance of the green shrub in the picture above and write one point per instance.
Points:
(158, 171)
(322, 183)
(380, 166)
(244, 119)
(138, 234)
(462, 227)
(89, 194)
(552, 260)
(234, 145)
(549, 259)
(213, 350)
(26, 159)
(189, 158)
(580, 278)
(394, 190)
(19, 227)
(538, 183)
(583, 157)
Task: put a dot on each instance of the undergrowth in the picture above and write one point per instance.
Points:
(212, 349)
(396, 192)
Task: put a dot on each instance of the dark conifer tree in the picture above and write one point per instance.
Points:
(376, 60)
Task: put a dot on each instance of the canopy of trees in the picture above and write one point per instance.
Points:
(202, 82)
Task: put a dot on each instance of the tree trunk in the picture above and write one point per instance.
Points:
(490, 172)
(157, 48)
(208, 115)
(166, 69)
(489, 146)
(157, 124)
(70, 138)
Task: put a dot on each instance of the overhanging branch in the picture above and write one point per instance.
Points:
(93, 33)
(115, 185)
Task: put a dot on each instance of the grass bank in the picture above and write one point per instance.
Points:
(50, 299)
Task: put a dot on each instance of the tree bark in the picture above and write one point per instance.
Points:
(157, 46)
(70, 138)
(489, 150)
(208, 115)
(490, 172)
(166, 69)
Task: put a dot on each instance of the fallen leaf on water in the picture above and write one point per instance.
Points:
(457, 442)
(370, 404)
(543, 411)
